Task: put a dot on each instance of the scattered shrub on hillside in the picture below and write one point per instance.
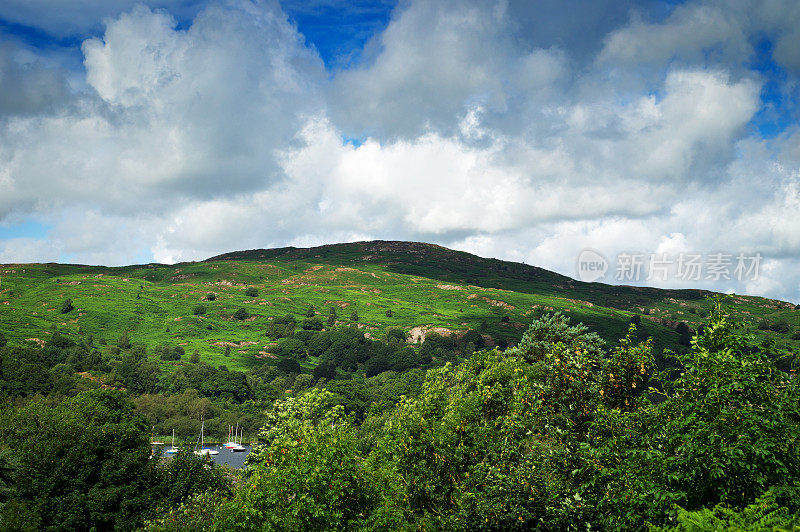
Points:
(473, 337)
(395, 335)
(195, 358)
(781, 327)
(199, 310)
(241, 314)
(354, 315)
(211, 296)
(251, 292)
(168, 353)
(312, 324)
(281, 327)
(66, 306)
(389, 313)
(124, 342)
(505, 319)
(311, 312)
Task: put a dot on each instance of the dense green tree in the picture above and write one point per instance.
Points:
(326, 370)
(291, 347)
(544, 333)
(306, 474)
(251, 292)
(289, 365)
(395, 335)
(241, 314)
(186, 474)
(66, 306)
(82, 464)
(199, 310)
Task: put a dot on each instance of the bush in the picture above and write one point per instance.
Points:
(199, 310)
(66, 306)
(124, 341)
(781, 327)
(281, 327)
(241, 314)
(396, 335)
(312, 324)
(168, 353)
(211, 296)
(251, 292)
(311, 312)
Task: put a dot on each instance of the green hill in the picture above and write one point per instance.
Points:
(415, 286)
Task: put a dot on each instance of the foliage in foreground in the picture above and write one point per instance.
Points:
(554, 434)
(85, 463)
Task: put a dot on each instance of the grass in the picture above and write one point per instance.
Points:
(423, 286)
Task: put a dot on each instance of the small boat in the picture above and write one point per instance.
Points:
(173, 449)
(231, 442)
(238, 447)
(204, 451)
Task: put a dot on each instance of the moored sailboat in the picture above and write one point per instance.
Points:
(204, 451)
(173, 449)
(238, 447)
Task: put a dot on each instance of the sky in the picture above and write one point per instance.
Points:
(637, 133)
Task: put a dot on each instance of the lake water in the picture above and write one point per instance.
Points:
(225, 456)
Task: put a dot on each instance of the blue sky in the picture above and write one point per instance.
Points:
(170, 130)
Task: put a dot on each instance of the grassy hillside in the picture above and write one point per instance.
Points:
(418, 287)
